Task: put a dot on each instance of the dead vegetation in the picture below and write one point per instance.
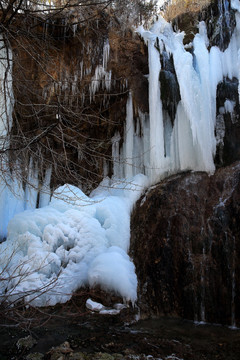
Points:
(178, 7)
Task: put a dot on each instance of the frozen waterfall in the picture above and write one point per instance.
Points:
(85, 241)
(190, 143)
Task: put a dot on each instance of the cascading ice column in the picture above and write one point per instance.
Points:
(197, 106)
(155, 112)
(157, 158)
(129, 137)
(11, 193)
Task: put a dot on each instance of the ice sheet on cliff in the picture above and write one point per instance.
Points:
(191, 139)
(73, 242)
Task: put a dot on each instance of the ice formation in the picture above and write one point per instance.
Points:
(101, 309)
(102, 77)
(78, 240)
(10, 193)
(74, 241)
(190, 143)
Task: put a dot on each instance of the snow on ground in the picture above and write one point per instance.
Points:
(101, 309)
(94, 306)
(75, 241)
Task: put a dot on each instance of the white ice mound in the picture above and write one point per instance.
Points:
(73, 242)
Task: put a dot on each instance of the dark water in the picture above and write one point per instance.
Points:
(162, 339)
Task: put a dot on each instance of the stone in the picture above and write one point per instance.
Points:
(60, 352)
(26, 343)
(185, 244)
(77, 356)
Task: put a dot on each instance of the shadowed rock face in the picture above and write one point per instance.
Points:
(185, 245)
(54, 74)
(228, 150)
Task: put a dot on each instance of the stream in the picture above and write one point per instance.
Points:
(101, 337)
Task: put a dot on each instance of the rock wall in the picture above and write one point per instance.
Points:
(185, 231)
(71, 86)
(70, 90)
(185, 245)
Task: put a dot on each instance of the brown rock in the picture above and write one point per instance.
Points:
(52, 74)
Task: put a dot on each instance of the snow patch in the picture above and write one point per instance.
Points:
(94, 306)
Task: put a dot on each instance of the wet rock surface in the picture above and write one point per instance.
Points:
(228, 148)
(185, 245)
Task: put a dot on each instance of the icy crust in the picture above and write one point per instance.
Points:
(73, 242)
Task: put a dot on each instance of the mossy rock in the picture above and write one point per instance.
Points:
(26, 343)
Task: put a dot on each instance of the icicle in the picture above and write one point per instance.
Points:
(74, 29)
(138, 156)
(81, 70)
(105, 168)
(108, 79)
(116, 154)
(145, 140)
(134, 156)
(106, 53)
(31, 191)
(45, 194)
(6, 94)
(102, 79)
(155, 112)
(74, 84)
(11, 201)
(129, 135)
(11, 193)
(183, 156)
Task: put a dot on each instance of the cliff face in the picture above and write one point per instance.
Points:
(185, 245)
(185, 230)
(70, 89)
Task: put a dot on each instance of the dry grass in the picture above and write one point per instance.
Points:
(178, 7)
